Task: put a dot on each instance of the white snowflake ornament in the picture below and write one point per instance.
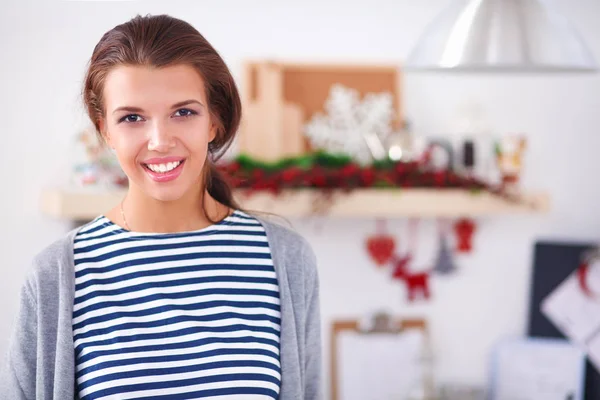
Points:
(351, 126)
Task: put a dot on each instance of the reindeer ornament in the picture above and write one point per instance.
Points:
(416, 283)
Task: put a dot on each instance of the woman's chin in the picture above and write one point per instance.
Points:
(170, 192)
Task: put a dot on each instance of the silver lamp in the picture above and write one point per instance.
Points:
(505, 35)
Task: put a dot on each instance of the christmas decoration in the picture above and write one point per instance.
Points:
(353, 126)
(335, 171)
(444, 263)
(381, 245)
(404, 145)
(589, 260)
(94, 163)
(509, 156)
(464, 229)
(438, 156)
(416, 283)
(382, 249)
(337, 174)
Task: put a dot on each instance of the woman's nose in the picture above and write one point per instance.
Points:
(160, 140)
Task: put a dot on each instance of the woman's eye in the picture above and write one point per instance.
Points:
(185, 112)
(131, 118)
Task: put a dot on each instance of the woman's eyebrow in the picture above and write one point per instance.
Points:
(186, 102)
(176, 105)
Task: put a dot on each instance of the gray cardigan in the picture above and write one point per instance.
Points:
(40, 363)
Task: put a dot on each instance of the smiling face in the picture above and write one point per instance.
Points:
(158, 122)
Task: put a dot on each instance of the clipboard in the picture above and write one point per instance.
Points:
(381, 323)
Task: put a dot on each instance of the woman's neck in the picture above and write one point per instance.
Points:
(142, 213)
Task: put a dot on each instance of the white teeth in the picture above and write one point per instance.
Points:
(163, 167)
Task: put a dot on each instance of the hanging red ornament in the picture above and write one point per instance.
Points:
(381, 245)
(416, 283)
(589, 259)
(464, 229)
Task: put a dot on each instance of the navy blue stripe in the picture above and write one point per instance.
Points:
(175, 270)
(144, 299)
(187, 382)
(163, 246)
(156, 372)
(174, 345)
(134, 236)
(199, 305)
(204, 279)
(177, 282)
(213, 393)
(247, 217)
(79, 239)
(175, 257)
(221, 232)
(175, 357)
(174, 320)
(178, 333)
(164, 271)
(94, 229)
(209, 393)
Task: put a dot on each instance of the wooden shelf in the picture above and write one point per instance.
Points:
(86, 204)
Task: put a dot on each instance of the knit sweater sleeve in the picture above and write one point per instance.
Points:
(313, 360)
(18, 376)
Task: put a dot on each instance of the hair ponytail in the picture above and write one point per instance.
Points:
(217, 185)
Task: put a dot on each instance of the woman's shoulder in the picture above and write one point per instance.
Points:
(50, 262)
(282, 233)
(288, 245)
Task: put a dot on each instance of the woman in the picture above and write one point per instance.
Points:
(175, 293)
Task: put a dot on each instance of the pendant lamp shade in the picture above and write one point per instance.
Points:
(501, 35)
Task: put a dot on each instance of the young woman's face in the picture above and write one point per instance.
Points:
(158, 123)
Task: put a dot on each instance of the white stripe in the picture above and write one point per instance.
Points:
(161, 278)
(193, 388)
(169, 289)
(124, 269)
(201, 299)
(152, 242)
(176, 289)
(236, 219)
(230, 250)
(140, 331)
(200, 273)
(181, 376)
(98, 221)
(119, 233)
(176, 363)
(213, 262)
(186, 350)
(216, 261)
(108, 228)
(212, 311)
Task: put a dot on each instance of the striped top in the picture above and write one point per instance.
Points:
(176, 316)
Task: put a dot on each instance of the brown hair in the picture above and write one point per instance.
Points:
(161, 41)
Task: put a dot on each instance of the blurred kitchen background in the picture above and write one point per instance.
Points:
(528, 230)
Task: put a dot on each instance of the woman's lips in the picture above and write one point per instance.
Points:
(164, 169)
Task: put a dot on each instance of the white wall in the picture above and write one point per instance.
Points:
(44, 47)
